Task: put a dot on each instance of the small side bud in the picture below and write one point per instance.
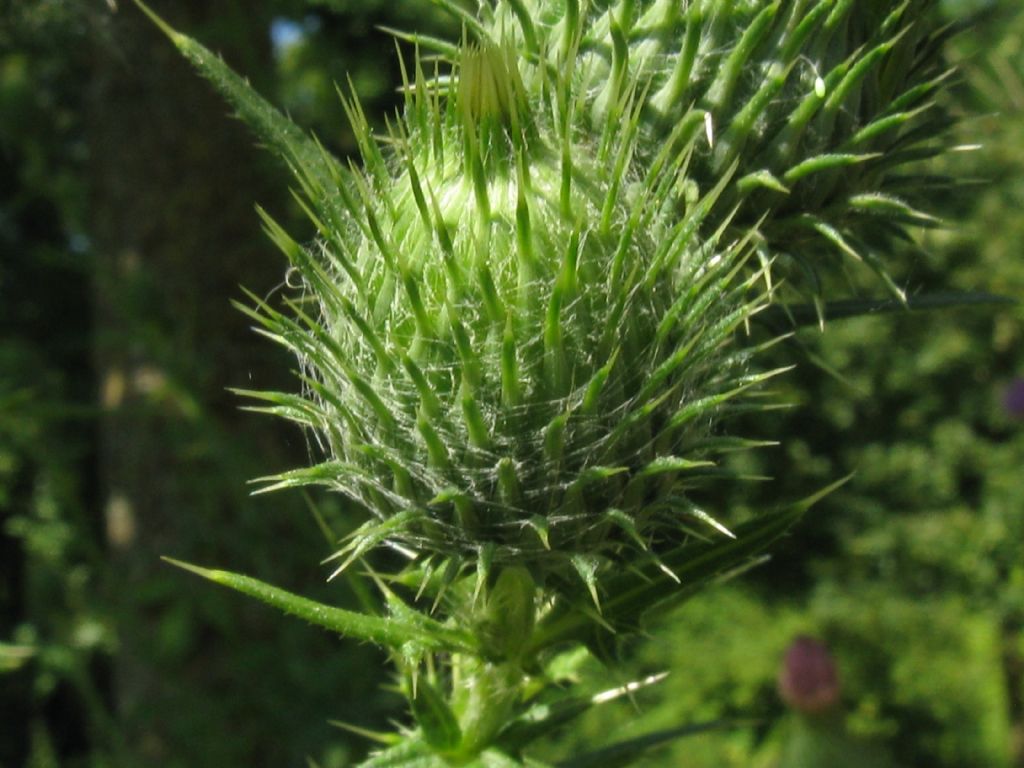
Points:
(509, 615)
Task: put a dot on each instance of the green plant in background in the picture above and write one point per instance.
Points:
(54, 630)
(527, 319)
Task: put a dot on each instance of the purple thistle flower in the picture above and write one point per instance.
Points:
(1013, 398)
(808, 680)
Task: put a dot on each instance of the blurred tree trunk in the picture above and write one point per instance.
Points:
(173, 180)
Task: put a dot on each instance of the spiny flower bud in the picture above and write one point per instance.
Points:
(518, 336)
(521, 340)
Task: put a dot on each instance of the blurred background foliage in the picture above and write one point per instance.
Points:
(126, 226)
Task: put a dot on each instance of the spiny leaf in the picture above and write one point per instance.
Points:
(694, 566)
(704, 517)
(806, 314)
(887, 205)
(290, 406)
(738, 60)
(368, 536)
(444, 48)
(704, 405)
(381, 737)
(625, 523)
(330, 474)
(541, 526)
(630, 595)
(279, 133)
(390, 632)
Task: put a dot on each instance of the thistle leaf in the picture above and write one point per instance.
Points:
(388, 632)
(301, 153)
(381, 737)
(799, 315)
(631, 595)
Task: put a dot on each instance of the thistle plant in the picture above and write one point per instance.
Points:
(529, 315)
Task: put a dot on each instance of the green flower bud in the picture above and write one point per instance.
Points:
(521, 341)
(518, 334)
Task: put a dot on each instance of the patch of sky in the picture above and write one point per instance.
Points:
(78, 242)
(286, 33)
